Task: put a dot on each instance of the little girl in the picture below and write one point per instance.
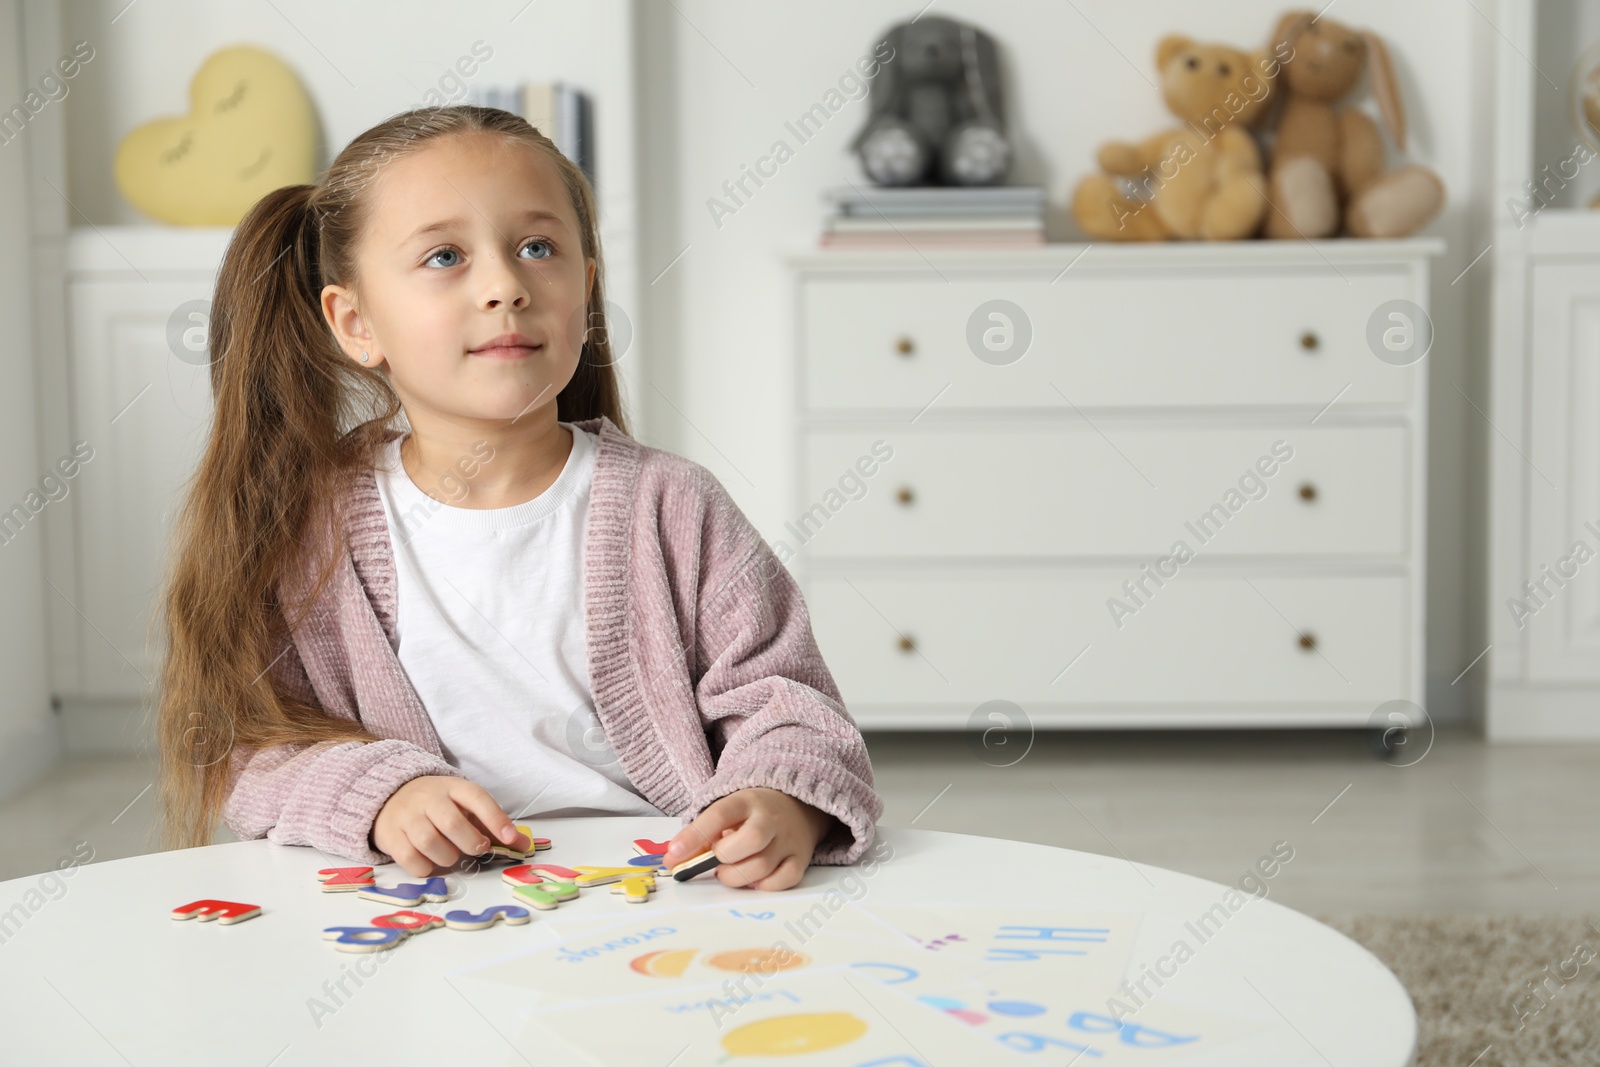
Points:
(382, 642)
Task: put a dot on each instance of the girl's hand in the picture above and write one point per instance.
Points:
(436, 818)
(763, 837)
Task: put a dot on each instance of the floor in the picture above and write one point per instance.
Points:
(1463, 826)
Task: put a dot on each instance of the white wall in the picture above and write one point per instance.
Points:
(719, 79)
(29, 739)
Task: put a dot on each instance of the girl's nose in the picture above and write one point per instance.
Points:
(503, 285)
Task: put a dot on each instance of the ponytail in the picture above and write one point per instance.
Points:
(272, 467)
(282, 386)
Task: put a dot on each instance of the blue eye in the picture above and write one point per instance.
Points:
(549, 250)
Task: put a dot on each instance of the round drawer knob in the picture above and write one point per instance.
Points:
(906, 643)
(903, 494)
(904, 346)
(1308, 491)
(1308, 641)
(1310, 341)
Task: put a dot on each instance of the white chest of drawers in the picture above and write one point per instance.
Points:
(1169, 485)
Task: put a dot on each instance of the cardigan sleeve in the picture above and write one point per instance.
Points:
(773, 715)
(326, 795)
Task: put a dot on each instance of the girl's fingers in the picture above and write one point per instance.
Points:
(458, 829)
(741, 874)
(747, 839)
(478, 802)
(708, 828)
(785, 875)
(411, 861)
(426, 839)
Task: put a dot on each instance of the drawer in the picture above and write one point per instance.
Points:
(1205, 638)
(1107, 490)
(1101, 339)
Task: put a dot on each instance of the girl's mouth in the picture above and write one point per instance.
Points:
(507, 351)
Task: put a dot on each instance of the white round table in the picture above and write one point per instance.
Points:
(93, 969)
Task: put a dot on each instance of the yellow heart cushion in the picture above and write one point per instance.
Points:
(250, 129)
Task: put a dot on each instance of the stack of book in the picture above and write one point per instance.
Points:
(559, 111)
(934, 216)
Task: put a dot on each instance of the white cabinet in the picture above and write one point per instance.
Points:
(1123, 486)
(1544, 602)
(135, 411)
(1543, 649)
(140, 398)
(1561, 614)
(144, 411)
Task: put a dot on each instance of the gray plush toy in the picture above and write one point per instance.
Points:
(937, 117)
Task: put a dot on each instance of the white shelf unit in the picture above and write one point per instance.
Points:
(1544, 459)
(979, 561)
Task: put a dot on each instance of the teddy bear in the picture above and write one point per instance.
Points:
(1202, 180)
(1327, 171)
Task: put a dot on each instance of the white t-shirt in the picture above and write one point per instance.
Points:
(490, 621)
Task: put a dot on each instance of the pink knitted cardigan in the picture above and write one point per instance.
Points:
(702, 664)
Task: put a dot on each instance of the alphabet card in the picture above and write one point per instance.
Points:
(1041, 983)
(682, 947)
(822, 1018)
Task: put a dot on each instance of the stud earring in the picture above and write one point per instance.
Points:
(363, 357)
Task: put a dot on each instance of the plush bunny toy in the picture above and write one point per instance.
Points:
(936, 110)
(1327, 170)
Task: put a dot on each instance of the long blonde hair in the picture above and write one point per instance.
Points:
(294, 420)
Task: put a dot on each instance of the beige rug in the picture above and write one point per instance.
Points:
(1473, 980)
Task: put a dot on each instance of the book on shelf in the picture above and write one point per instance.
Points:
(909, 223)
(560, 111)
(889, 239)
(936, 200)
(934, 216)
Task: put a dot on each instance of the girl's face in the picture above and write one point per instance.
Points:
(469, 238)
